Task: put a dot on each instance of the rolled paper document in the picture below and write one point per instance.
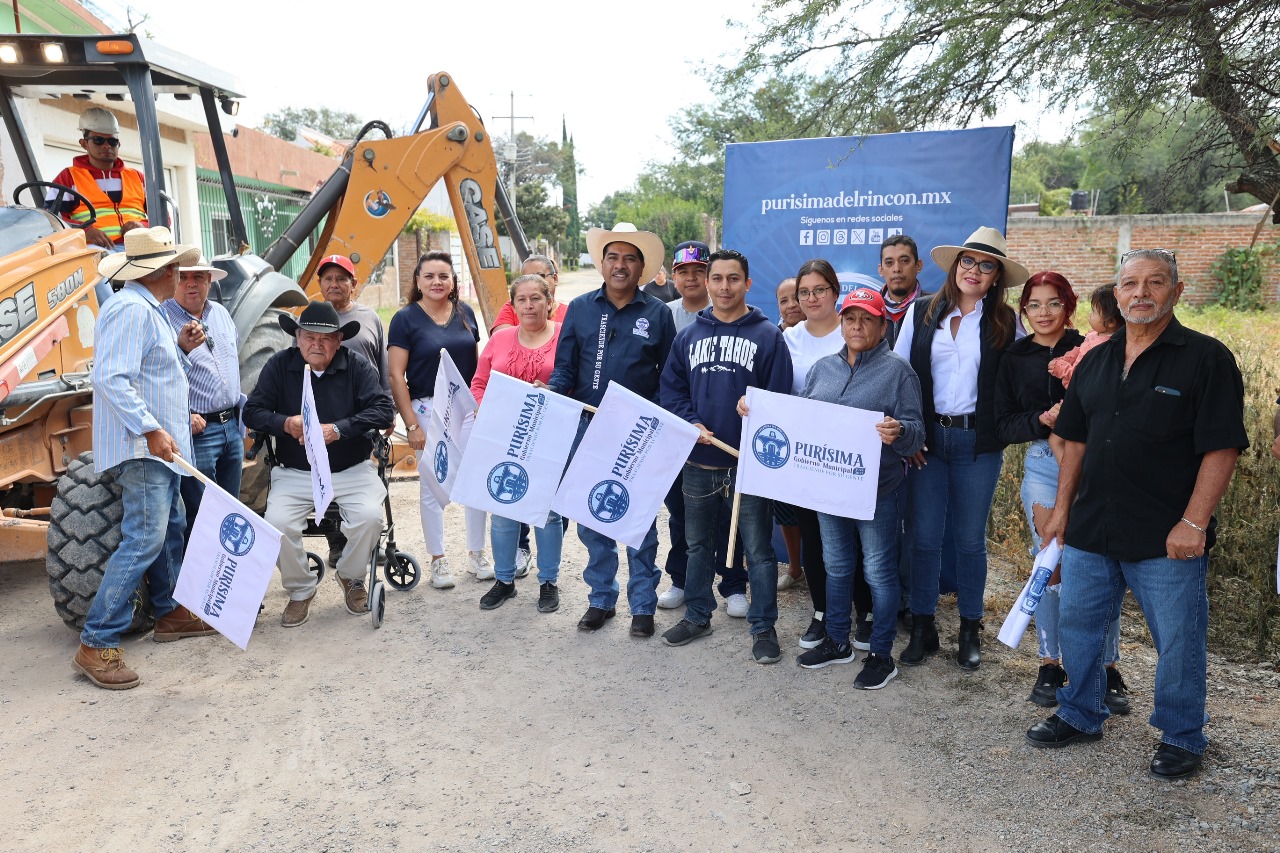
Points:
(1015, 625)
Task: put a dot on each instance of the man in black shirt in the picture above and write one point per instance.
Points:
(1153, 422)
(349, 401)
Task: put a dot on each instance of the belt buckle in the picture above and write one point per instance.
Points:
(945, 420)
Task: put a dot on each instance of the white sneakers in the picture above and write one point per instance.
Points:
(479, 565)
(441, 577)
(671, 599)
(524, 558)
(786, 580)
(736, 604)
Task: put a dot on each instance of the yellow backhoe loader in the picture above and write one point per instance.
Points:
(55, 505)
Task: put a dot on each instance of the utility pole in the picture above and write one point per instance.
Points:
(510, 151)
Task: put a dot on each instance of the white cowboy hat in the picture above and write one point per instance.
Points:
(649, 244)
(985, 241)
(201, 265)
(145, 251)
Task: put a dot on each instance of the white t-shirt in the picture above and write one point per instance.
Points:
(807, 349)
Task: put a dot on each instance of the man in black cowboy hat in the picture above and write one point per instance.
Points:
(349, 402)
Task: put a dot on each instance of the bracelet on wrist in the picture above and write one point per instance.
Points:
(1194, 526)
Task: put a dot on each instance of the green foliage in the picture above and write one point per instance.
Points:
(1238, 278)
(426, 220)
(541, 221)
(1055, 202)
(284, 123)
(932, 63)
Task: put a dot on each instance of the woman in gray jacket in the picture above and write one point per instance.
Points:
(866, 374)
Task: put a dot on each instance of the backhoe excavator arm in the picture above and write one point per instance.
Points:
(381, 183)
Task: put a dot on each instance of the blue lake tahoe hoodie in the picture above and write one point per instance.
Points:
(711, 365)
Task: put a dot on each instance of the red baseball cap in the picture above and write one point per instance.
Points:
(865, 298)
(341, 260)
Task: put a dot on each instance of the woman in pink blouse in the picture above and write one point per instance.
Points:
(526, 351)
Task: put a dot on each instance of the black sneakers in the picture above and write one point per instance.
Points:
(1045, 693)
(684, 632)
(814, 636)
(862, 632)
(876, 672)
(497, 594)
(1117, 698)
(765, 648)
(548, 598)
(825, 653)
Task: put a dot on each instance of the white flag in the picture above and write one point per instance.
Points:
(228, 565)
(626, 462)
(822, 456)
(452, 409)
(1015, 624)
(517, 449)
(317, 451)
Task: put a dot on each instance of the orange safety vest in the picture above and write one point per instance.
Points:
(133, 201)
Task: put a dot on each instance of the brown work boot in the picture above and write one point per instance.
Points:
(105, 668)
(181, 622)
(354, 596)
(296, 612)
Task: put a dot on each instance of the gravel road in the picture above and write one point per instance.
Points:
(452, 729)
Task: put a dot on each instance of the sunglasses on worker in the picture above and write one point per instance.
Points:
(104, 140)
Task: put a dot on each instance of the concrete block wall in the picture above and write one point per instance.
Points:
(1087, 249)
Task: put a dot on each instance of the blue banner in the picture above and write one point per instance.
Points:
(839, 198)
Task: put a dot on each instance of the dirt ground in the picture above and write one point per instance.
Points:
(455, 729)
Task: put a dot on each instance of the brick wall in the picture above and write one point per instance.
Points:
(1087, 249)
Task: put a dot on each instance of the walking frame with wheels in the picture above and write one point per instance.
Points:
(401, 570)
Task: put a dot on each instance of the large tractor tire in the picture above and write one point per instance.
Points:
(266, 338)
(84, 530)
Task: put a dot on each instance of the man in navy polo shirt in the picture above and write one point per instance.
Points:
(618, 334)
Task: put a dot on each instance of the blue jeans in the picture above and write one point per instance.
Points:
(708, 496)
(601, 573)
(733, 580)
(150, 544)
(1040, 487)
(954, 490)
(218, 452)
(1174, 600)
(503, 537)
(879, 552)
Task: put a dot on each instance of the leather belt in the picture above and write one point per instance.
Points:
(225, 416)
(957, 421)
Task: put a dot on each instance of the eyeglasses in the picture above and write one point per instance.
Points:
(1168, 254)
(984, 267)
(1053, 307)
(105, 140)
(208, 338)
(816, 293)
(690, 255)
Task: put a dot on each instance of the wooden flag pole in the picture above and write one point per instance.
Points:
(193, 470)
(733, 529)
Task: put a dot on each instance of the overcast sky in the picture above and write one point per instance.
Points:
(615, 71)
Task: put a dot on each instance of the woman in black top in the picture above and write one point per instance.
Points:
(1028, 397)
(433, 320)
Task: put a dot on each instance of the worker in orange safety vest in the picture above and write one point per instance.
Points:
(117, 192)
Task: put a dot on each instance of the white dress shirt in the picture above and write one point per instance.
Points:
(953, 362)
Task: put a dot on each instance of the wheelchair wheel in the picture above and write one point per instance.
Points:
(377, 603)
(316, 565)
(404, 573)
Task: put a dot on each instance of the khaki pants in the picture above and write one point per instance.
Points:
(359, 495)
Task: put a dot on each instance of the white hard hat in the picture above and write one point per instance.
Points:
(98, 120)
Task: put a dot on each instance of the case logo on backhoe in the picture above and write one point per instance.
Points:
(17, 312)
(478, 219)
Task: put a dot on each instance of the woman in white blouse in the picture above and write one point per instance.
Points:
(954, 341)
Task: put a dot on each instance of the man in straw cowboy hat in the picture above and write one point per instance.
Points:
(616, 334)
(350, 401)
(213, 374)
(140, 421)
